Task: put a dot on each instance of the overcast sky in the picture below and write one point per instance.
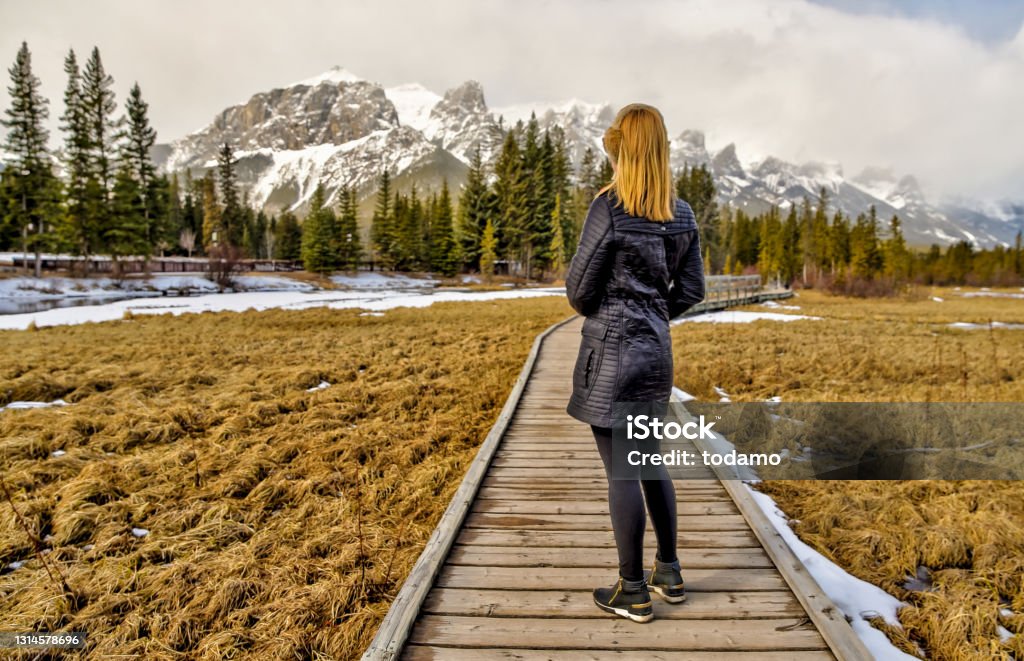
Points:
(929, 87)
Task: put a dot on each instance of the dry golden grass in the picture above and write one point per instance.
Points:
(969, 535)
(281, 522)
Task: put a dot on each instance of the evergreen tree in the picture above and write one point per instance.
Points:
(771, 254)
(137, 142)
(125, 232)
(476, 204)
(792, 258)
(232, 215)
(511, 196)
(348, 224)
(697, 187)
(288, 241)
(1018, 260)
(320, 236)
(79, 228)
(31, 187)
(382, 230)
(488, 250)
(444, 252)
(97, 107)
(896, 257)
(557, 249)
(213, 225)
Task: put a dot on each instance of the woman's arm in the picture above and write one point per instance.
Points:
(584, 283)
(688, 282)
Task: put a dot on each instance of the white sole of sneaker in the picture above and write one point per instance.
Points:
(624, 612)
(661, 593)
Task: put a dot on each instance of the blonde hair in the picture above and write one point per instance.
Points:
(637, 142)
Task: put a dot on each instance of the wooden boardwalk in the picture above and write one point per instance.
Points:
(509, 572)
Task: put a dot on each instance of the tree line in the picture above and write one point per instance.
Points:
(811, 246)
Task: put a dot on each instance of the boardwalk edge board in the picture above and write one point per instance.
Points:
(826, 616)
(397, 624)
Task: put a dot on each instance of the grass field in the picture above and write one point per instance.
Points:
(207, 503)
(965, 538)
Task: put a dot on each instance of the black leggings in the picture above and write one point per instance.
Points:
(627, 510)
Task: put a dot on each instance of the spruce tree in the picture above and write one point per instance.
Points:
(320, 236)
(138, 139)
(476, 204)
(382, 222)
(348, 227)
(512, 198)
(125, 232)
(79, 228)
(288, 240)
(557, 249)
(233, 218)
(97, 107)
(31, 187)
(444, 252)
(488, 250)
(213, 226)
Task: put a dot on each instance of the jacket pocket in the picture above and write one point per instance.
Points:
(588, 363)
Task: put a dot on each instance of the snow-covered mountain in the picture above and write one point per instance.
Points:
(340, 129)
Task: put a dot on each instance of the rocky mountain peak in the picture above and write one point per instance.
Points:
(727, 163)
(467, 97)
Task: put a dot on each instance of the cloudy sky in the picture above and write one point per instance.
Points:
(930, 87)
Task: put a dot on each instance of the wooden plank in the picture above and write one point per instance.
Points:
(583, 578)
(571, 603)
(600, 558)
(613, 632)
(593, 521)
(685, 539)
(418, 652)
(686, 508)
(506, 493)
(401, 616)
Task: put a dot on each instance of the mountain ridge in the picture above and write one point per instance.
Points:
(340, 129)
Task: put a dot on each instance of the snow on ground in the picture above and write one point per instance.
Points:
(966, 325)
(779, 306)
(682, 395)
(938, 299)
(139, 532)
(741, 317)
(991, 294)
(25, 288)
(319, 386)
(859, 600)
(373, 300)
(376, 280)
(33, 405)
(724, 396)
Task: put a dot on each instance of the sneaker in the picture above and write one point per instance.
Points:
(633, 604)
(666, 580)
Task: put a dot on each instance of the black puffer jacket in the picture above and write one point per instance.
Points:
(628, 278)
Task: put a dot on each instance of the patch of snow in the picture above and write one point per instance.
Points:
(682, 395)
(774, 400)
(722, 394)
(371, 314)
(139, 532)
(33, 405)
(334, 75)
(376, 280)
(938, 299)
(413, 102)
(779, 306)
(471, 279)
(319, 386)
(991, 294)
(1004, 633)
(48, 288)
(741, 317)
(58, 453)
(857, 599)
(88, 547)
(17, 564)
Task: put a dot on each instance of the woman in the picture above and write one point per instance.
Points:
(638, 265)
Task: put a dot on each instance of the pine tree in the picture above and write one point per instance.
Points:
(488, 250)
(125, 232)
(232, 214)
(320, 236)
(348, 224)
(79, 227)
(511, 197)
(382, 223)
(288, 241)
(31, 188)
(137, 142)
(213, 226)
(97, 107)
(444, 252)
(476, 204)
(557, 248)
